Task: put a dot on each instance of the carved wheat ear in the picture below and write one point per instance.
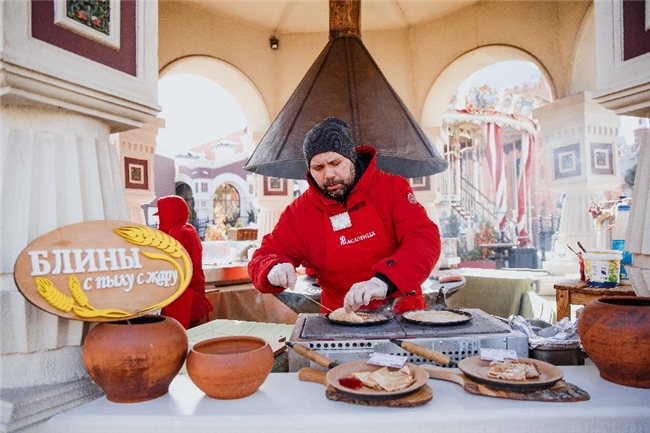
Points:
(146, 236)
(53, 296)
(63, 302)
(77, 292)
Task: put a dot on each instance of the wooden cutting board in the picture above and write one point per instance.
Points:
(561, 391)
(417, 398)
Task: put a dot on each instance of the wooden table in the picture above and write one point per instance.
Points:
(577, 292)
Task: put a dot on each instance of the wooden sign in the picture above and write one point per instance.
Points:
(100, 271)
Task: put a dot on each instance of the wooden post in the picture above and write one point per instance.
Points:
(345, 18)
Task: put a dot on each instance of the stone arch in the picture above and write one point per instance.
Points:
(233, 80)
(184, 190)
(184, 178)
(457, 71)
(583, 65)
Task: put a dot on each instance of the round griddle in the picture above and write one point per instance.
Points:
(477, 369)
(381, 318)
(466, 317)
(345, 370)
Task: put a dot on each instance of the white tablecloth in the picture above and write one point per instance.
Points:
(285, 404)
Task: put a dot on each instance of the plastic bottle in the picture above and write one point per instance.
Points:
(618, 238)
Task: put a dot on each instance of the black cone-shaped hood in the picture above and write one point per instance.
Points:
(345, 82)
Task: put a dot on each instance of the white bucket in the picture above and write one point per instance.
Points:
(602, 268)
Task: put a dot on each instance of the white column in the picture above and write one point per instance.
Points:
(271, 205)
(58, 167)
(623, 86)
(576, 224)
(140, 145)
(575, 130)
(638, 230)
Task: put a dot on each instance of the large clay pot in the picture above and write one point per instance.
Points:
(615, 334)
(230, 367)
(135, 360)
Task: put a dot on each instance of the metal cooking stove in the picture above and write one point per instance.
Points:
(351, 343)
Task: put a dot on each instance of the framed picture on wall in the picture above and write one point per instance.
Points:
(102, 31)
(566, 161)
(275, 186)
(420, 183)
(602, 158)
(136, 173)
(95, 19)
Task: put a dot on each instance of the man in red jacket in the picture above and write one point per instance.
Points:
(360, 230)
(192, 306)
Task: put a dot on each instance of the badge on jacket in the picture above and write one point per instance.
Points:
(341, 221)
(411, 198)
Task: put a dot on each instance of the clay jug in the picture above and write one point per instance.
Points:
(615, 334)
(135, 360)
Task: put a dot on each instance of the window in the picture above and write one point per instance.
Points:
(226, 204)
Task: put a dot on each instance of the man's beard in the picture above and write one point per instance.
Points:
(342, 193)
(338, 195)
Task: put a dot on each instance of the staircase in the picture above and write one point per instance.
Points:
(471, 203)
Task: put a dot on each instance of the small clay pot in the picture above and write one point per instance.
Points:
(135, 360)
(230, 367)
(615, 334)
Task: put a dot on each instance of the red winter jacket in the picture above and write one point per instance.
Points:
(192, 305)
(299, 238)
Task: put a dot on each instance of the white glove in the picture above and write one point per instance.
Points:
(283, 274)
(364, 292)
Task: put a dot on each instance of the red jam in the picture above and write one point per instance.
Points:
(350, 382)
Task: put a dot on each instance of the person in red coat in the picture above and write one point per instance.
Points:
(192, 305)
(359, 229)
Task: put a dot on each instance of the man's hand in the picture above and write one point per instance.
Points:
(284, 275)
(362, 293)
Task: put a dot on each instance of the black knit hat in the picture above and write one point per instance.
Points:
(331, 135)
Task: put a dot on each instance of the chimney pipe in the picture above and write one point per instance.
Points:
(345, 18)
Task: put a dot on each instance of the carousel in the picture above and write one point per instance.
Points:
(492, 198)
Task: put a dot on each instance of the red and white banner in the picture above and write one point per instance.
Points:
(495, 158)
(523, 180)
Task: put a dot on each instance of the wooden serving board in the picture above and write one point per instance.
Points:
(417, 398)
(561, 391)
